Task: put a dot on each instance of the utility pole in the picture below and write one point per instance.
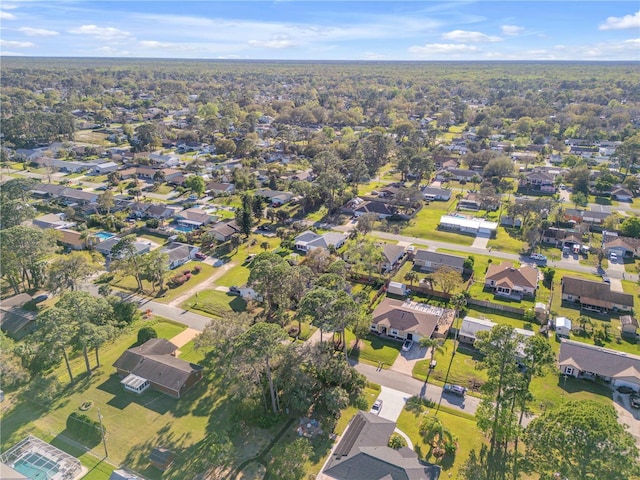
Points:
(104, 438)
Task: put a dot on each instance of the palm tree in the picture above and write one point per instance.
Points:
(434, 433)
(431, 343)
(411, 277)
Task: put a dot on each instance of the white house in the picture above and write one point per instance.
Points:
(476, 226)
(309, 240)
(104, 168)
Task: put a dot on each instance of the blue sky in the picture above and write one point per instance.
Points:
(324, 30)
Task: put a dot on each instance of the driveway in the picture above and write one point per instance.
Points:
(616, 285)
(393, 402)
(407, 360)
(627, 415)
(480, 242)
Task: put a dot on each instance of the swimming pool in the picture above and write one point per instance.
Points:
(104, 235)
(183, 228)
(36, 467)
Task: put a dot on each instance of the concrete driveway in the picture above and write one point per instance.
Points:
(480, 242)
(393, 402)
(627, 415)
(407, 360)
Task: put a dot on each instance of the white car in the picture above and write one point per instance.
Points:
(406, 346)
(538, 256)
(613, 257)
(376, 408)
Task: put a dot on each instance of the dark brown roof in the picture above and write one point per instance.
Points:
(154, 361)
(399, 315)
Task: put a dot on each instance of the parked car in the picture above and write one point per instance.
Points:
(606, 279)
(456, 390)
(233, 290)
(406, 346)
(40, 298)
(376, 408)
(538, 256)
(635, 400)
(613, 256)
(625, 389)
(200, 256)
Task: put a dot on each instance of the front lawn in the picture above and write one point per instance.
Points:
(374, 349)
(425, 224)
(507, 240)
(215, 303)
(464, 368)
(465, 431)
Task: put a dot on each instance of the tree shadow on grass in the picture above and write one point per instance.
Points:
(574, 385)
(156, 401)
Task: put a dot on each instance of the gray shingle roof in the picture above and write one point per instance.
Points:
(441, 258)
(598, 360)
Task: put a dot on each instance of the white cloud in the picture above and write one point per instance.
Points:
(37, 32)
(374, 56)
(12, 43)
(276, 41)
(164, 45)
(113, 52)
(7, 16)
(101, 33)
(464, 36)
(511, 30)
(9, 7)
(620, 23)
(442, 48)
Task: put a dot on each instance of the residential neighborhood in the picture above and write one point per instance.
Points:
(263, 271)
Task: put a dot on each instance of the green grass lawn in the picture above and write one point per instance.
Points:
(129, 283)
(134, 424)
(375, 349)
(507, 241)
(164, 190)
(215, 303)
(468, 436)
(239, 274)
(159, 239)
(463, 369)
(424, 224)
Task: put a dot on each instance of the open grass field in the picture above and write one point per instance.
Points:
(239, 274)
(215, 303)
(507, 241)
(134, 424)
(424, 225)
(93, 137)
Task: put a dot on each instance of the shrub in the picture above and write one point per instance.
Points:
(177, 280)
(80, 425)
(396, 441)
(186, 272)
(126, 312)
(188, 275)
(152, 223)
(145, 334)
(196, 269)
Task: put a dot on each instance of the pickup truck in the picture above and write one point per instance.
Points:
(457, 390)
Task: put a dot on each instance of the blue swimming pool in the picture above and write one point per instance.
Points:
(36, 467)
(104, 235)
(183, 228)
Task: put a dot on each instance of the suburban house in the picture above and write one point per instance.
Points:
(180, 253)
(508, 281)
(622, 246)
(595, 296)
(166, 160)
(381, 209)
(14, 320)
(621, 193)
(455, 174)
(47, 190)
(139, 209)
(194, 217)
(475, 226)
(581, 360)
(159, 211)
(107, 245)
(554, 236)
(407, 320)
(308, 240)
(362, 453)
(71, 239)
(539, 181)
(105, 168)
(217, 188)
(52, 220)
(473, 201)
(391, 254)
(446, 162)
(153, 364)
(585, 216)
(223, 231)
(629, 325)
(72, 196)
(472, 326)
(436, 193)
(431, 261)
(275, 197)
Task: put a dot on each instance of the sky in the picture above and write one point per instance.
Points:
(323, 30)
